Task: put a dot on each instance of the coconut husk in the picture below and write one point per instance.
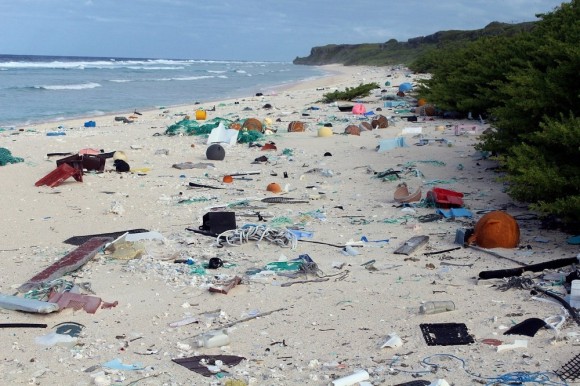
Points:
(296, 127)
(352, 130)
(380, 122)
(365, 126)
(252, 124)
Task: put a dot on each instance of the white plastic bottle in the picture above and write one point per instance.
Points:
(214, 339)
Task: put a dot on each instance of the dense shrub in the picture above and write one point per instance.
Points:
(351, 93)
(528, 85)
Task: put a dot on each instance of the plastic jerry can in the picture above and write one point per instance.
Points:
(214, 339)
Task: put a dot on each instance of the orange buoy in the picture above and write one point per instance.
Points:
(228, 179)
(200, 115)
(496, 229)
(274, 188)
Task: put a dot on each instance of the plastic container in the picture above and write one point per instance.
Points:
(436, 307)
(575, 294)
(200, 115)
(351, 379)
(214, 339)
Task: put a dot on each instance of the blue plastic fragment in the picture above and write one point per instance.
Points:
(301, 234)
(455, 212)
(118, 365)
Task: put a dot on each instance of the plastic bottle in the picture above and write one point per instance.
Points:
(354, 378)
(214, 339)
(436, 307)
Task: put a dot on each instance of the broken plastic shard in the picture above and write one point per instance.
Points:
(392, 340)
(118, 365)
(53, 338)
(518, 343)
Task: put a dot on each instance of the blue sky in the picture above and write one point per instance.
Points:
(273, 30)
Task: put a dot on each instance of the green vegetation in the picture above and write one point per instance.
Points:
(394, 52)
(351, 93)
(528, 86)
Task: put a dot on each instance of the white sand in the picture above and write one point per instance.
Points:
(329, 328)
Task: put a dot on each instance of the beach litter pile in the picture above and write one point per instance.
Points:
(297, 255)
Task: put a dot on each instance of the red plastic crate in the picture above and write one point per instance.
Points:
(445, 198)
(58, 175)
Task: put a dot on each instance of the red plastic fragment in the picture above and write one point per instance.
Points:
(59, 175)
(76, 301)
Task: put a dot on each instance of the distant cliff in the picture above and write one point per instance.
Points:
(395, 52)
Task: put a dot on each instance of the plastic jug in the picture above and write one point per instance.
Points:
(214, 339)
(575, 294)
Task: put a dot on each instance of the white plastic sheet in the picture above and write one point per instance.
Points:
(222, 135)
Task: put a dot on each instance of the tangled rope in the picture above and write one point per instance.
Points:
(251, 232)
(44, 289)
(513, 378)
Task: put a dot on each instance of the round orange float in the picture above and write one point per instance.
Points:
(228, 179)
(274, 188)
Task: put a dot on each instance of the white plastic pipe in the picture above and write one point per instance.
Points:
(356, 377)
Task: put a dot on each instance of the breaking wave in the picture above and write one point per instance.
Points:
(81, 86)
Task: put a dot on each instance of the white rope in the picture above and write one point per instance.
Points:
(250, 232)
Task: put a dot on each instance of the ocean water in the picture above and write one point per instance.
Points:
(49, 88)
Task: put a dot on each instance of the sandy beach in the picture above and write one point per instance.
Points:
(306, 329)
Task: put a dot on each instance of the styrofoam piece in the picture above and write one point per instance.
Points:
(152, 235)
(518, 343)
(439, 382)
(356, 377)
(412, 130)
(53, 338)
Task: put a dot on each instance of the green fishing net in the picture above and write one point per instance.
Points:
(192, 127)
(6, 157)
(250, 136)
